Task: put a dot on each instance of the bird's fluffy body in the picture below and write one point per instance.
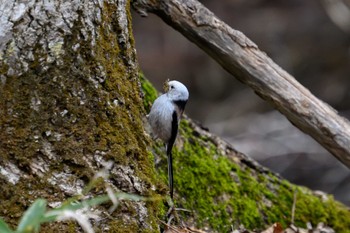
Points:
(164, 119)
(161, 114)
(160, 117)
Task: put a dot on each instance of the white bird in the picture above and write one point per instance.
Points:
(164, 119)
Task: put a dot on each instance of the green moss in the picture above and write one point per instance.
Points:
(223, 194)
(151, 92)
(204, 184)
(119, 226)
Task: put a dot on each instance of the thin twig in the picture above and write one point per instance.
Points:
(169, 226)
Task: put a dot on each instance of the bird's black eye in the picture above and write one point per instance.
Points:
(171, 86)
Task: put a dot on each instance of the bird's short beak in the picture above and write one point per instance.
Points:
(166, 85)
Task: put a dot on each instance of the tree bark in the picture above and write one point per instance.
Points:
(70, 100)
(241, 57)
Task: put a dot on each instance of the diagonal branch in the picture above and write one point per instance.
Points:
(242, 58)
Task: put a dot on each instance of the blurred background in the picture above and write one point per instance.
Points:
(309, 39)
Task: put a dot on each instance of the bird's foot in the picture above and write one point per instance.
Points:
(172, 215)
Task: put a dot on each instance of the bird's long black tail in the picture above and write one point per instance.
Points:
(170, 172)
(169, 147)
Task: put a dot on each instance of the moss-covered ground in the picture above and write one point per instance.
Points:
(222, 193)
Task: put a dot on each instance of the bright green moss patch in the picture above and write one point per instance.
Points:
(315, 210)
(205, 183)
(151, 92)
(223, 194)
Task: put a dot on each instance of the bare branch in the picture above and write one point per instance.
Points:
(242, 58)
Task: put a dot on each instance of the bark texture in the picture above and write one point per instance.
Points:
(242, 58)
(70, 100)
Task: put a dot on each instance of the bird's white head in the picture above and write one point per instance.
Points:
(177, 91)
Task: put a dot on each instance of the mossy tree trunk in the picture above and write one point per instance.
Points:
(71, 100)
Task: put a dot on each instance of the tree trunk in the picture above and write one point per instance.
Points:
(71, 100)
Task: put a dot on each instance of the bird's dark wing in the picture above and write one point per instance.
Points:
(170, 144)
